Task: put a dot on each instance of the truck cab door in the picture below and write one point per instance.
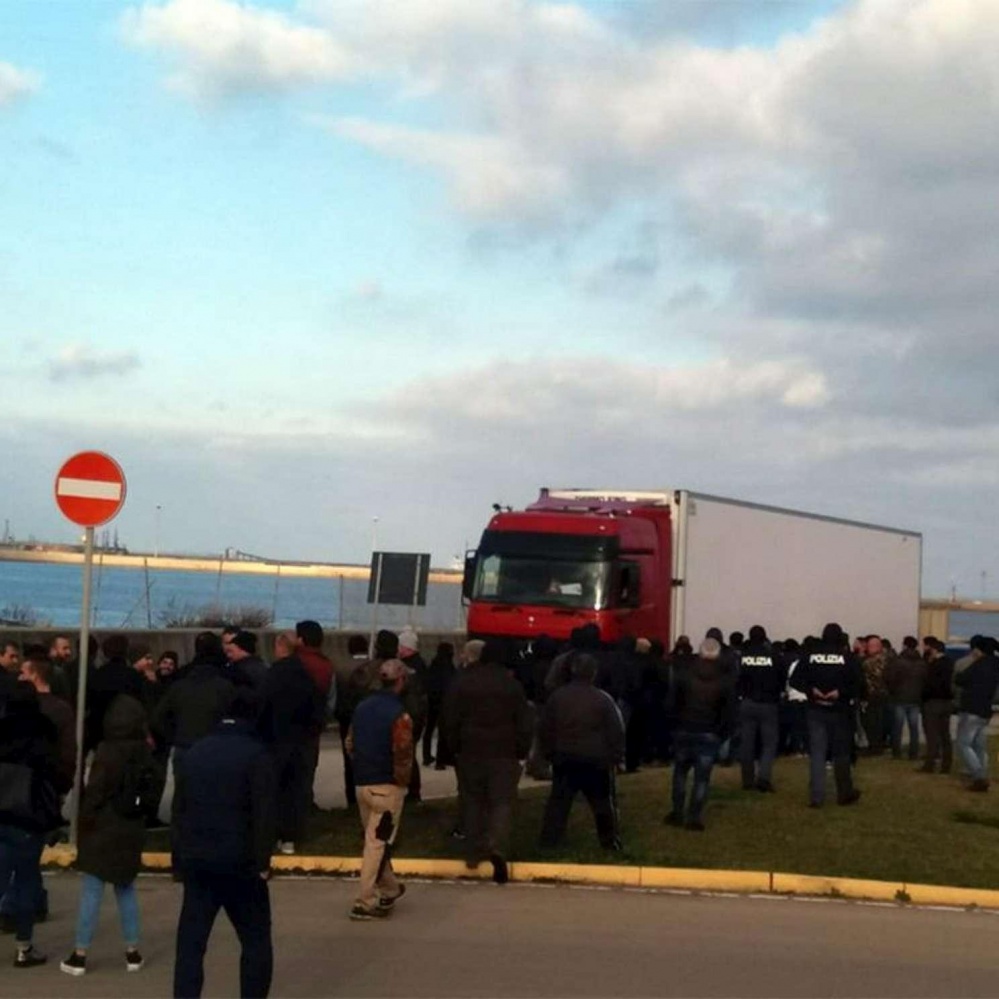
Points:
(468, 578)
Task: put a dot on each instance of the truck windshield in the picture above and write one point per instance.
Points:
(556, 570)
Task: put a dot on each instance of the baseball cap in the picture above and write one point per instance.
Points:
(392, 669)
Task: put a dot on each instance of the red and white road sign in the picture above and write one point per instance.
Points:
(90, 488)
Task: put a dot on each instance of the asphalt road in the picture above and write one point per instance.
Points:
(520, 940)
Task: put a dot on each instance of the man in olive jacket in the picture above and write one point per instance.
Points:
(489, 727)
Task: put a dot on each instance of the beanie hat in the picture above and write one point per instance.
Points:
(386, 645)
(408, 639)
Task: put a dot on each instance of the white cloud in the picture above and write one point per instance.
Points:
(222, 47)
(489, 175)
(80, 361)
(818, 214)
(16, 83)
(544, 392)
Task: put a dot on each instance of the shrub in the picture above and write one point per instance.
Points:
(21, 616)
(214, 616)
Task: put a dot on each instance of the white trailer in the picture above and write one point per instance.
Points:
(744, 563)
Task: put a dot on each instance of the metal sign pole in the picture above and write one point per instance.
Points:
(374, 605)
(416, 591)
(81, 680)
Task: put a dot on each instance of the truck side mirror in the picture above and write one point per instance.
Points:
(628, 586)
(468, 579)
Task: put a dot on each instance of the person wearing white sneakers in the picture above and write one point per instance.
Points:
(113, 813)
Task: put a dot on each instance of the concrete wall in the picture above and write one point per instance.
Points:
(181, 640)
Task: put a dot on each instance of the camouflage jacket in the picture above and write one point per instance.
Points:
(874, 674)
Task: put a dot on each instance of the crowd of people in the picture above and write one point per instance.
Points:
(244, 736)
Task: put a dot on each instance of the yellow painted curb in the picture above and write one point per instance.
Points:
(689, 879)
(943, 895)
(592, 874)
(439, 869)
(59, 856)
(316, 865)
(806, 884)
(157, 861)
(704, 880)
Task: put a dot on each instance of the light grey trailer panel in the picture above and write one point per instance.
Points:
(793, 572)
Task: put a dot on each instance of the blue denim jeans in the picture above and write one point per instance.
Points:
(20, 853)
(905, 715)
(695, 751)
(91, 893)
(972, 744)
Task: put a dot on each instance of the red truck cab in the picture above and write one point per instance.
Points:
(571, 559)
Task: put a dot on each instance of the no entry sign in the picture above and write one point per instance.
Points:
(90, 488)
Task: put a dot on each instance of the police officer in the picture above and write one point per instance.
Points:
(760, 683)
(830, 676)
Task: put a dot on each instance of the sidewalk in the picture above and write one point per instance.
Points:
(329, 779)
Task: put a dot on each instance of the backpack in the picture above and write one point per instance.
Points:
(137, 793)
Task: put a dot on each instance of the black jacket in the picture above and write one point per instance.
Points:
(486, 715)
(581, 722)
(224, 816)
(28, 740)
(110, 843)
(104, 684)
(703, 698)
(290, 704)
(192, 706)
(939, 684)
(977, 685)
(251, 671)
(762, 674)
(438, 676)
(829, 669)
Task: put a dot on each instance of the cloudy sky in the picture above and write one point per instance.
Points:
(301, 264)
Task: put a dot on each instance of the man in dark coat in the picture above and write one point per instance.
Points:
(357, 651)
(832, 679)
(38, 672)
(290, 710)
(978, 685)
(308, 649)
(489, 727)
(703, 708)
(581, 731)
(115, 676)
(194, 705)
(760, 685)
(938, 705)
(244, 661)
(223, 831)
(28, 748)
(436, 681)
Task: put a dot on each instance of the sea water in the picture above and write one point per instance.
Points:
(52, 594)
